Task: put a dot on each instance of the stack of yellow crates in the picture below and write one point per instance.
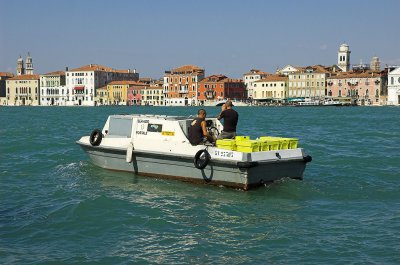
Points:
(248, 146)
(269, 143)
(293, 143)
(264, 143)
(277, 143)
(244, 144)
(228, 144)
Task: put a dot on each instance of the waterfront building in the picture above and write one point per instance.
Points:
(102, 97)
(135, 93)
(53, 91)
(3, 89)
(219, 87)
(308, 82)
(250, 77)
(83, 82)
(357, 87)
(152, 95)
(181, 84)
(393, 86)
(118, 92)
(344, 57)
(273, 88)
(23, 90)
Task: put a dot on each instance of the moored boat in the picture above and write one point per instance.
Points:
(158, 146)
(236, 103)
(331, 102)
(318, 103)
(308, 103)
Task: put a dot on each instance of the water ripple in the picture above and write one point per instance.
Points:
(57, 207)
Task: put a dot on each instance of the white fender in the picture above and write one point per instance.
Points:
(129, 153)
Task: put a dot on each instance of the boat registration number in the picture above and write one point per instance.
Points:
(223, 153)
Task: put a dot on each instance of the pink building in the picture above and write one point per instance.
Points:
(135, 93)
(361, 88)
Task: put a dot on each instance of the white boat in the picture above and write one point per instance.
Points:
(235, 103)
(157, 146)
(331, 102)
(308, 103)
(323, 103)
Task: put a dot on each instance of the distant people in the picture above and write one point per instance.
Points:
(198, 131)
(231, 118)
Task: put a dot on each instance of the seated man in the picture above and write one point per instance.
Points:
(198, 131)
(231, 118)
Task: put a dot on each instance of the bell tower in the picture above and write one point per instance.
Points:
(20, 66)
(375, 64)
(29, 65)
(344, 57)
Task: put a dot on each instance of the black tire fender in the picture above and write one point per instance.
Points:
(307, 158)
(203, 162)
(95, 137)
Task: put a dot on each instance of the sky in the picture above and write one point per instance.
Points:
(227, 37)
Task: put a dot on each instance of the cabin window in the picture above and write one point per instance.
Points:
(120, 126)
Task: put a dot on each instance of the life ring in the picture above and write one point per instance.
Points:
(200, 160)
(95, 137)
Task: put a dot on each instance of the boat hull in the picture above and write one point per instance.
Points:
(242, 175)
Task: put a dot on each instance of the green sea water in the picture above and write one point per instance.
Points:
(56, 207)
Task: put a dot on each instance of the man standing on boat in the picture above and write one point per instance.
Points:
(231, 118)
(198, 129)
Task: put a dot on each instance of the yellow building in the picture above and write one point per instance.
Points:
(309, 82)
(102, 96)
(118, 92)
(23, 90)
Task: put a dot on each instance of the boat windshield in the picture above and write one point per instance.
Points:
(120, 126)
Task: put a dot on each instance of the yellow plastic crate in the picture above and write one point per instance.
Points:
(228, 144)
(242, 138)
(284, 143)
(269, 143)
(248, 146)
(293, 143)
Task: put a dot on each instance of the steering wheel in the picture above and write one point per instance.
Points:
(213, 130)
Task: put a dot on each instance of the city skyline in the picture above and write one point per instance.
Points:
(224, 37)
